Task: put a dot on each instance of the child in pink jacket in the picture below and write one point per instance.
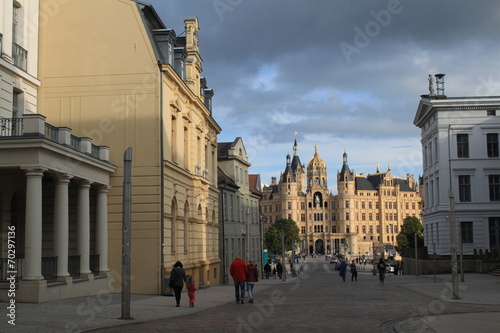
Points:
(191, 287)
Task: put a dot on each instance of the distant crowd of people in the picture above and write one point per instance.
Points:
(245, 276)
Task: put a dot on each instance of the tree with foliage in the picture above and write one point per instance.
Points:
(406, 237)
(272, 237)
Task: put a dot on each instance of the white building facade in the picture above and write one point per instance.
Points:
(53, 185)
(460, 142)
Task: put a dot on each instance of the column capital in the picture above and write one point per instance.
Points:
(34, 172)
(62, 177)
(102, 188)
(84, 183)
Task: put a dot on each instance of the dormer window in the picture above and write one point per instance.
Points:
(209, 93)
(180, 55)
(165, 39)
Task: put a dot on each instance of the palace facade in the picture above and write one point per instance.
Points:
(364, 216)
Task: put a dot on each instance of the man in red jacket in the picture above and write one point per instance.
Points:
(239, 270)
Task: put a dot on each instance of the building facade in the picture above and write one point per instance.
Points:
(112, 70)
(53, 184)
(461, 170)
(364, 216)
(240, 230)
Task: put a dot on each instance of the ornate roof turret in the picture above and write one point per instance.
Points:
(345, 174)
(288, 176)
(316, 162)
(296, 164)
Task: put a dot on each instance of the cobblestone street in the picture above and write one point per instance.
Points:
(318, 300)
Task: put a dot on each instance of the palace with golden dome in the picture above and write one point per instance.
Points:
(364, 216)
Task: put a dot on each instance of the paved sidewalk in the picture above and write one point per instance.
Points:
(476, 289)
(88, 313)
(85, 314)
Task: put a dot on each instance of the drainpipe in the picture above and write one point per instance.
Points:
(162, 182)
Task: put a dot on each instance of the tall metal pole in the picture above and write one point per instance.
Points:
(462, 278)
(434, 255)
(283, 253)
(126, 239)
(453, 245)
(416, 256)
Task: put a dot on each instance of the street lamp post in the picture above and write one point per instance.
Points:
(416, 256)
(283, 253)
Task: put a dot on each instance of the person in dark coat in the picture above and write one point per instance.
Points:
(279, 269)
(177, 279)
(252, 277)
(342, 270)
(267, 269)
(354, 271)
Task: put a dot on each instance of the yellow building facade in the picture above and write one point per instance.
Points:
(362, 219)
(111, 70)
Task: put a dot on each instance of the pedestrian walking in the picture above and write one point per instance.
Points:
(396, 268)
(191, 287)
(354, 271)
(342, 269)
(274, 273)
(252, 277)
(177, 279)
(238, 271)
(279, 270)
(267, 270)
(381, 270)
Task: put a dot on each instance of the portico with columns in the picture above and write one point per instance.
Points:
(54, 198)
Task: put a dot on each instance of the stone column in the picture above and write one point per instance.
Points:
(102, 227)
(61, 223)
(33, 247)
(83, 226)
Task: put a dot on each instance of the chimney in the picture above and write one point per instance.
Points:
(440, 85)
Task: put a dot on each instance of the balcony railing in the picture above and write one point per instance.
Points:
(94, 264)
(34, 125)
(49, 268)
(95, 151)
(11, 127)
(20, 56)
(51, 132)
(74, 266)
(75, 142)
(6, 271)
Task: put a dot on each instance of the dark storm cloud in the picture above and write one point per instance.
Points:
(349, 71)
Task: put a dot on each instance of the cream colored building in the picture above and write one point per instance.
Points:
(240, 223)
(363, 218)
(113, 71)
(53, 184)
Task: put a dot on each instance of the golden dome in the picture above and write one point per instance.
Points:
(316, 162)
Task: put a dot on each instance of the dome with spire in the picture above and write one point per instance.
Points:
(316, 162)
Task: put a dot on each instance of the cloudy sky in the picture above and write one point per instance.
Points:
(343, 74)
